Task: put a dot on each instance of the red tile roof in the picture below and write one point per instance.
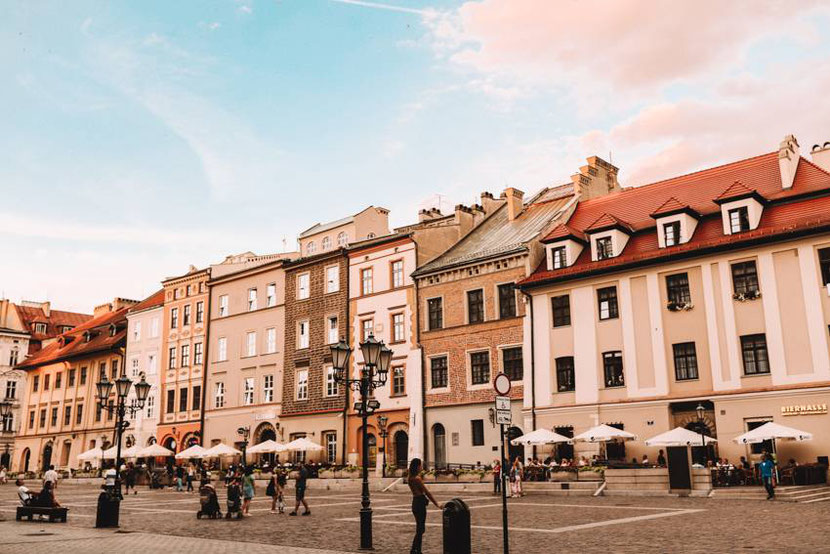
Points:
(608, 221)
(736, 191)
(805, 212)
(54, 321)
(562, 231)
(673, 206)
(72, 344)
(154, 300)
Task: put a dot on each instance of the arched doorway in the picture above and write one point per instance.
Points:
(47, 457)
(439, 438)
(401, 440)
(373, 450)
(5, 460)
(25, 458)
(265, 432)
(170, 443)
(514, 451)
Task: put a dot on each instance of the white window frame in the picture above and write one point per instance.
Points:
(137, 331)
(267, 388)
(248, 391)
(252, 298)
(332, 278)
(397, 276)
(367, 286)
(223, 305)
(342, 239)
(335, 337)
(325, 244)
(332, 387)
(219, 395)
(250, 343)
(271, 295)
(151, 405)
(270, 340)
(151, 364)
(395, 327)
(302, 385)
(222, 349)
(303, 286)
(135, 366)
(154, 327)
(303, 338)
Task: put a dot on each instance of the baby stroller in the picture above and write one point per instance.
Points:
(234, 500)
(209, 502)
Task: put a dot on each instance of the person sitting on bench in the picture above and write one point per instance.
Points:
(46, 498)
(23, 492)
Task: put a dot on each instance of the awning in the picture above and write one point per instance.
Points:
(220, 450)
(772, 431)
(605, 433)
(539, 436)
(267, 447)
(194, 451)
(680, 436)
(303, 445)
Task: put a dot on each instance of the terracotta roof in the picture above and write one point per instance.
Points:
(72, 344)
(736, 191)
(54, 321)
(673, 206)
(152, 301)
(562, 231)
(608, 221)
(800, 210)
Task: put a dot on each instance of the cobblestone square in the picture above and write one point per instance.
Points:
(165, 521)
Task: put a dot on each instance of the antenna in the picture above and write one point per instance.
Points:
(610, 158)
(284, 244)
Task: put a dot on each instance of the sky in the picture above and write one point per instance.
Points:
(137, 138)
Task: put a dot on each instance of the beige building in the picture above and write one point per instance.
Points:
(706, 289)
(245, 365)
(325, 237)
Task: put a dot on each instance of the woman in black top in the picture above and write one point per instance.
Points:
(420, 499)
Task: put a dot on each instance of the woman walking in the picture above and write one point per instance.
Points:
(516, 478)
(247, 490)
(421, 497)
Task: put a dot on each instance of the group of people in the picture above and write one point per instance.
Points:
(46, 497)
(243, 477)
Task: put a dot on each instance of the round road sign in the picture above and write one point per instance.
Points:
(502, 384)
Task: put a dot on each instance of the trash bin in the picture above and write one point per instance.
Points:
(109, 502)
(457, 539)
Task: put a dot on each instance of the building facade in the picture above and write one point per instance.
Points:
(325, 237)
(184, 340)
(245, 364)
(706, 289)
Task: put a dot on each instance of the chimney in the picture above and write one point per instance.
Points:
(102, 309)
(598, 178)
(46, 307)
(514, 202)
(821, 156)
(429, 215)
(788, 156)
(464, 219)
(488, 203)
(5, 306)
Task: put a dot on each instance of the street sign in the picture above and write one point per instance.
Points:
(504, 418)
(502, 384)
(503, 403)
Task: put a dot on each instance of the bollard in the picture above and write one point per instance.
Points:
(457, 538)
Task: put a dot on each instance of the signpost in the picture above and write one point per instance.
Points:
(503, 417)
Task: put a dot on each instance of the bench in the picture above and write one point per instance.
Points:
(55, 514)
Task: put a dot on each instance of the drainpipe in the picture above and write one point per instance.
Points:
(532, 366)
(424, 430)
(205, 367)
(348, 324)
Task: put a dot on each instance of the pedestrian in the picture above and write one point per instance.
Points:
(247, 490)
(516, 478)
(282, 479)
(179, 479)
(766, 468)
(2, 475)
(271, 490)
(661, 459)
(129, 478)
(496, 477)
(299, 491)
(190, 474)
(421, 497)
(51, 476)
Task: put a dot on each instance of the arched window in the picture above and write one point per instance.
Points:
(326, 243)
(310, 248)
(342, 239)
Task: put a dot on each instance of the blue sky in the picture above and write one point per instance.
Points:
(140, 137)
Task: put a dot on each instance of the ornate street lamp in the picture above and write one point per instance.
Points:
(244, 432)
(383, 432)
(701, 411)
(373, 374)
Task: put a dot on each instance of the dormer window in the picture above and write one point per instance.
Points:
(671, 233)
(739, 219)
(605, 248)
(559, 257)
(40, 328)
(676, 222)
(87, 336)
(563, 246)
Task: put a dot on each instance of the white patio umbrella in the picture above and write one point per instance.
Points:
(194, 451)
(604, 433)
(91, 454)
(772, 431)
(680, 436)
(153, 451)
(539, 436)
(303, 445)
(220, 450)
(111, 453)
(267, 447)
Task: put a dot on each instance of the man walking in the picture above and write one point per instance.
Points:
(51, 476)
(179, 478)
(766, 468)
(300, 492)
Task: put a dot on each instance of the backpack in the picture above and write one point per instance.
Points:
(270, 490)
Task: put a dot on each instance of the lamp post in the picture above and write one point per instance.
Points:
(120, 407)
(244, 432)
(700, 413)
(373, 374)
(383, 432)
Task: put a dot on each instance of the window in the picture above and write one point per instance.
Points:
(367, 328)
(32, 419)
(222, 347)
(513, 365)
(174, 318)
(58, 379)
(200, 311)
(197, 353)
(477, 426)
(219, 395)
(605, 249)
(342, 239)
(685, 361)
(135, 368)
(607, 299)
(268, 388)
(302, 384)
(83, 376)
(302, 334)
(332, 278)
(250, 343)
(565, 374)
(40, 328)
(171, 358)
(154, 327)
(435, 311)
(559, 257)
(398, 381)
(270, 340)
(248, 392)
(137, 330)
(438, 372)
(824, 264)
(561, 306)
(480, 368)
(7, 423)
(196, 403)
(186, 315)
(151, 406)
(67, 416)
(189, 290)
(330, 440)
(46, 379)
(331, 382)
(397, 328)
(745, 277)
(54, 419)
(613, 364)
(671, 233)
(677, 287)
(754, 350)
(11, 390)
(251, 299)
(475, 306)
(183, 399)
(151, 364)
(185, 355)
(79, 414)
(326, 243)
(102, 370)
(271, 295)
(332, 329)
(35, 383)
(366, 281)
(302, 286)
(223, 305)
(114, 369)
(13, 357)
(397, 273)
(98, 411)
(507, 300)
(310, 248)
(739, 219)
